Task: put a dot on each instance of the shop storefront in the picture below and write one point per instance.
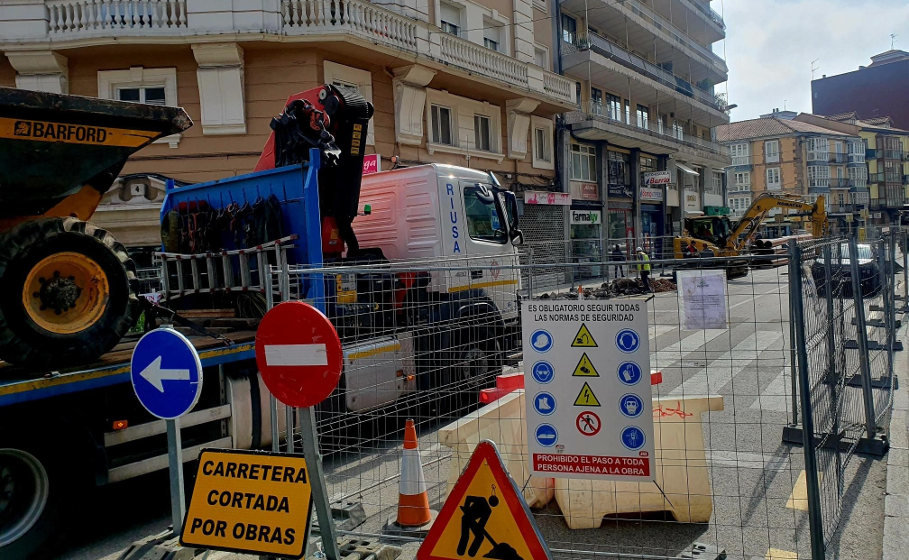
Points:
(586, 243)
(620, 218)
(652, 220)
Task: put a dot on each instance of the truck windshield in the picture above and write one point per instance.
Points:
(483, 220)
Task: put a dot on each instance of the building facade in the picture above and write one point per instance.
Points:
(797, 158)
(887, 159)
(640, 149)
(453, 81)
(874, 91)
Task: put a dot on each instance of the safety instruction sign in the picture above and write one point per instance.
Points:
(588, 389)
(485, 516)
(246, 501)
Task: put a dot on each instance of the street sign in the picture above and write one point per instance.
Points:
(166, 373)
(247, 501)
(485, 516)
(589, 411)
(298, 353)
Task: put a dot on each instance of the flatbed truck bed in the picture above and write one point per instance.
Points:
(112, 368)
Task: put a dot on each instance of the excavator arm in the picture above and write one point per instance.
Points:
(746, 228)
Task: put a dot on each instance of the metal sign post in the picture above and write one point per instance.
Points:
(175, 461)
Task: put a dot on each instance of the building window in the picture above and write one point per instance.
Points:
(742, 181)
(541, 57)
(542, 143)
(155, 86)
(740, 153)
(596, 101)
(856, 151)
(614, 106)
(492, 35)
(583, 162)
(481, 135)
(817, 149)
(569, 29)
(773, 179)
(643, 114)
(441, 125)
(858, 176)
(619, 170)
(341, 75)
(772, 151)
(450, 19)
(717, 183)
(678, 130)
(818, 176)
(627, 112)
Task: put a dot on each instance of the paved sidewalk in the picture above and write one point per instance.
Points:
(896, 501)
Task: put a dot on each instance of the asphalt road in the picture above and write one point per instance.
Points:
(756, 511)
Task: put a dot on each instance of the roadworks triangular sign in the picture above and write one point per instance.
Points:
(583, 339)
(585, 368)
(485, 516)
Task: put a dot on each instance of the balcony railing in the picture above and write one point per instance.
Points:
(884, 177)
(644, 12)
(600, 112)
(709, 12)
(837, 157)
(840, 183)
(76, 16)
(893, 154)
(603, 46)
(109, 20)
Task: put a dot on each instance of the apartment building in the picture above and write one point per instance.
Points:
(640, 147)
(886, 157)
(781, 153)
(873, 92)
(453, 81)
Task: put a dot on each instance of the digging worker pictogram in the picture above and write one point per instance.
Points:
(475, 514)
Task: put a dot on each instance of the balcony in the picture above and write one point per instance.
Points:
(837, 157)
(696, 18)
(893, 154)
(885, 177)
(609, 66)
(647, 31)
(844, 208)
(593, 122)
(840, 183)
(389, 36)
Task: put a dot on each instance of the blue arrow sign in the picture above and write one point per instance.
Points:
(166, 373)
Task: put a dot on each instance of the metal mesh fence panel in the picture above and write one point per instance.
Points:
(441, 342)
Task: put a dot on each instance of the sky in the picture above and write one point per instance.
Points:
(770, 46)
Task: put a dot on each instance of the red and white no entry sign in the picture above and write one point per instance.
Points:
(298, 353)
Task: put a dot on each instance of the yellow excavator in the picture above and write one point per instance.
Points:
(719, 237)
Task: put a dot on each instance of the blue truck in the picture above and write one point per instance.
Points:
(245, 243)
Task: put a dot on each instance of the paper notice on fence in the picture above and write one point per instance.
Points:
(703, 295)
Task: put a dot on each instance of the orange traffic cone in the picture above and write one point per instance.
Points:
(414, 514)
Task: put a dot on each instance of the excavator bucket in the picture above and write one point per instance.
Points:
(51, 145)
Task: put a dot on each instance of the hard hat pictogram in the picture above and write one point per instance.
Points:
(586, 397)
(583, 339)
(484, 516)
(585, 368)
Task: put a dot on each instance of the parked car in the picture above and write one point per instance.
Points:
(841, 272)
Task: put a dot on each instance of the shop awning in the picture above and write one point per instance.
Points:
(686, 169)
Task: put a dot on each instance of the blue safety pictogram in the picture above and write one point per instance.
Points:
(543, 372)
(544, 403)
(546, 435)
(541, 340)
(629, 373)
(633, 438)
(631, 405)
(627, 340)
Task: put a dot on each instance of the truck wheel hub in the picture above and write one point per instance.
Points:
(65, 293)
(23, 493)
(58, 293)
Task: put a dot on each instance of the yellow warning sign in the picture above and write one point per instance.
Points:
(484, 516)
(586, 397)
(585, 368)
(583, 339)
(247, 501)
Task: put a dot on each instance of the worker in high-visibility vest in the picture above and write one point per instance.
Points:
(644, 269)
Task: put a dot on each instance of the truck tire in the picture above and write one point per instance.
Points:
(28, 503)
(69, 293)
